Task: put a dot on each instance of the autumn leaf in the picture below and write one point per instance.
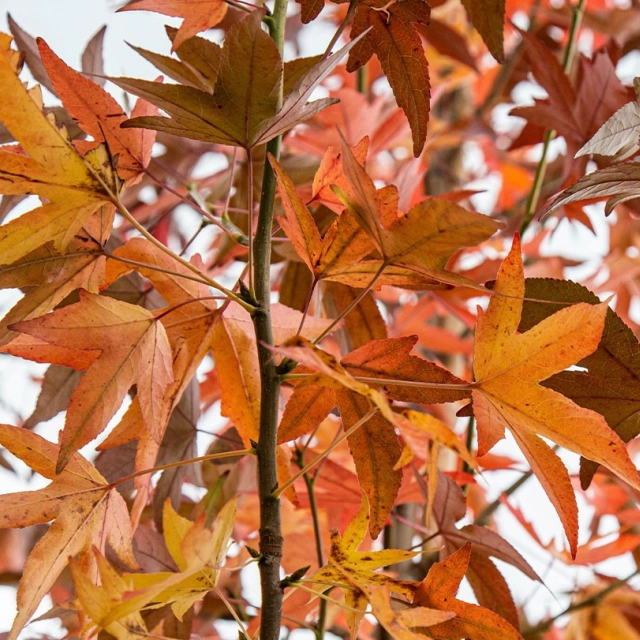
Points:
(619, 183)
(487, 16)
(346, 563)
(237, 363)
(73, 187)
(489, 586)
(198, 16)
(618, 136)
(97, 601)
(199, 553)
(399, 623)
(243, 110)
(99, 115)
(388, 365)
(422, 240)
(86, 509)
(509, 367)
(438, 591)
(47, 276)
(133, 348)
(415, 247)
(376, 450)
(397, 44)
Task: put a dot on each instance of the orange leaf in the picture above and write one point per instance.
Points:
(438, 591)
(198, 16)
(236, 357)
(97, 113)
(134, 350)
(488, 19)
(399, 48)
(509, 367)
(87, 511)
(375, 450)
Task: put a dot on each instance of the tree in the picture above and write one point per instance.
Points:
(329, 316)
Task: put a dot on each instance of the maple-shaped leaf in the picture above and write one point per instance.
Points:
(86, 509)
(99, 115)
(199, 553)
(611, 383)
(244, 109)
(346, 566)
(47, 276)
(438, 591)
(424, 238)
(97, 600)
(74, 187)
(198, 16)
(132, 348)
(487, 16)
(489, 586)
(386, 365)
(200, 55)
(394, 39)
(509, 367)
(415, 247)
(570, 108)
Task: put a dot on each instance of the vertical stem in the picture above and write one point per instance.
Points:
(270, 527)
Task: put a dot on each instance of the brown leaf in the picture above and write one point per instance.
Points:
(487, 16)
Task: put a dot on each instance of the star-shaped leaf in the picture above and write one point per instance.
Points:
(86, 509)
(131, 348)
(347, 564)
(509, 367)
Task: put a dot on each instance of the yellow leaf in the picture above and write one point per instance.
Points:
(509, 367)
(97, 600)
(52, 169)
(348, 565)
(200, 553)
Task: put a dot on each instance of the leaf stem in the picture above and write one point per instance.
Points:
(126, 214)
(313, 507)
(180, 463)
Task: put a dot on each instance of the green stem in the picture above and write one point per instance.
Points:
(271, 540)
(567, 63)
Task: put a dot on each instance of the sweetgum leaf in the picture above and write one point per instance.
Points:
(509, 367)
